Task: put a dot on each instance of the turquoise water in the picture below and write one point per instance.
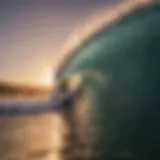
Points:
(123, 122)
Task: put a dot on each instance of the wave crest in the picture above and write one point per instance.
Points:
(94, 24)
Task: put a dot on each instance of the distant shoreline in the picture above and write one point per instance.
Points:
(12, 90)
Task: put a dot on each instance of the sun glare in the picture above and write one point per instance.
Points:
(48, 78)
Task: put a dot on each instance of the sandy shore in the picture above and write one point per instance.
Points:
(39, 137)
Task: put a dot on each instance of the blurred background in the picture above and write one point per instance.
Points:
(32, 34)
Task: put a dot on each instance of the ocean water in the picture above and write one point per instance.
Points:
(127, 117)
(44, 136)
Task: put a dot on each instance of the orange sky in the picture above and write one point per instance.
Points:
(32, 33)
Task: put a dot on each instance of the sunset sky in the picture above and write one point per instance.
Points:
(32, 33)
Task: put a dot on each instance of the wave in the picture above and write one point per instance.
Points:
(94, 24)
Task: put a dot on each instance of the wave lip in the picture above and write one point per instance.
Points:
(95, 24)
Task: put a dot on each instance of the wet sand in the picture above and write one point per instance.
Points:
(40, 137)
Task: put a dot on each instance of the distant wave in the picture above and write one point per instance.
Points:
(24, 106)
